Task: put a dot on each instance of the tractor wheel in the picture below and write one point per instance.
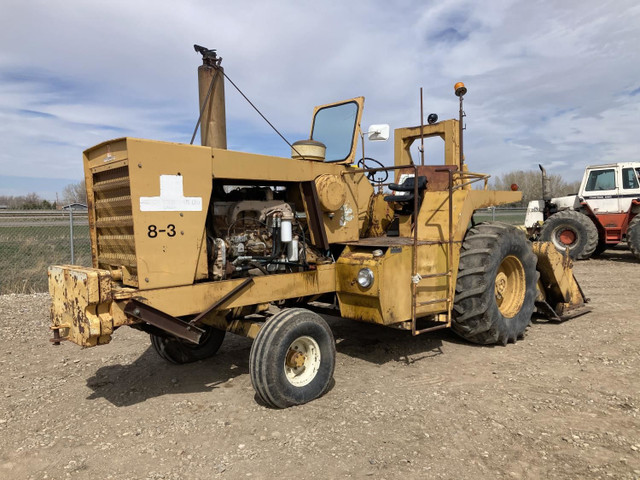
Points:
(633, 236)
(602, 247)
(496, 286)
(292, 358)
(573, 230)
(176, 350)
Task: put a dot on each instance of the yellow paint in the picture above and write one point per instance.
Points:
(561, 289)
(331, 192)
(359, 101)
(510, 286)
(387, 300)
(152, 248)
(158, 254)
(80, 307)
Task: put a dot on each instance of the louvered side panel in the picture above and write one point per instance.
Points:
(114, 222)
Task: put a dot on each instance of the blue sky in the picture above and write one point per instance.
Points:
(549, 82)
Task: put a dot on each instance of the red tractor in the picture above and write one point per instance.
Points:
(601, 215)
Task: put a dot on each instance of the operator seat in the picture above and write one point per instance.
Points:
(405, 199)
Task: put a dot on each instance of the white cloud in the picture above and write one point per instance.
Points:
(549, 82)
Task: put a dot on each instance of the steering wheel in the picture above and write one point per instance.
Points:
(362, 163)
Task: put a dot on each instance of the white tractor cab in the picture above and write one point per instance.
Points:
(602, 214)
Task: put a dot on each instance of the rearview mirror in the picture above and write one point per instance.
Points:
(378, 133)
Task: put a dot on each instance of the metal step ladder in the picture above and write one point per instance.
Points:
(416, 277)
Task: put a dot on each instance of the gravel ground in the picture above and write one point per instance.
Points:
(562, 403)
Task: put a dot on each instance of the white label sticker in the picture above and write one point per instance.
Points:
(347, 214)
(171, 197)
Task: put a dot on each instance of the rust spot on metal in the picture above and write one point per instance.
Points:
(295, 359)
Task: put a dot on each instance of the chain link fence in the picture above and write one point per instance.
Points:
(31, 240)
(510, 215)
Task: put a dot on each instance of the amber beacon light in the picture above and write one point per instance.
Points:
(460, 89)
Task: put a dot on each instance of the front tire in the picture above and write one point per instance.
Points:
(292, 358)
(496, 285)
(178, 351)
(633, 236)
(573, 230)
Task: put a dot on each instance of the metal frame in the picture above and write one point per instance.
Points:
(415, 277)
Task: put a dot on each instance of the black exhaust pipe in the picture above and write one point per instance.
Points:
(546, 188)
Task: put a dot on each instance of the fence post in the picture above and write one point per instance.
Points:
(70, 207)
(493, 214)
(71, 234)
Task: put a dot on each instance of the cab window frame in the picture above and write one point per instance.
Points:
(353, 130)
(592, 180)
(630, 179)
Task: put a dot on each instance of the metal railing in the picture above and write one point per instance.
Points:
(462, 179)
(31, 240)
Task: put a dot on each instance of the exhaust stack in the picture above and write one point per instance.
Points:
(213, 128)
(546, 188)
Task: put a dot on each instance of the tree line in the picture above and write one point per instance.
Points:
(530, 184)
(72, 193)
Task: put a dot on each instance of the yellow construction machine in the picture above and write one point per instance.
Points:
(190, 242)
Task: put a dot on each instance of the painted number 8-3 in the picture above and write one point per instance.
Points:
(153, 231)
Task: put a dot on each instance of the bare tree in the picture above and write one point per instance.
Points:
(75, 193)
(530, 183)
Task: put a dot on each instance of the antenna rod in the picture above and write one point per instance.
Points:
(461, 114)
(460, 90)
(421, 130)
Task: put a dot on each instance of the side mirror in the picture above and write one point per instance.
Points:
(378, 133)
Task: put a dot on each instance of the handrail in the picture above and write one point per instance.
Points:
(448, 274)
(414, 261)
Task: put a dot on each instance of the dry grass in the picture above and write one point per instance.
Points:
(27, 251)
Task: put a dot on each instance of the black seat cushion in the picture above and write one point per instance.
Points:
(408, 184)
(405, 197)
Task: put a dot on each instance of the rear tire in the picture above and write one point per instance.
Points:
(602, 247)
(496, 285)
(633, 236)
(178, 351)
(292, 358)
(572, 229)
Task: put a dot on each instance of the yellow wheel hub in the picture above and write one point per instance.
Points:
(510, 286)
(295, 359)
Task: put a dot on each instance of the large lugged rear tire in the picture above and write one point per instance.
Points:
(602, 247)
(633, 236)
(496, 285)
(572, 229)
(292, 358)
(176, 350)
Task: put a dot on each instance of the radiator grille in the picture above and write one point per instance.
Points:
(114, 220)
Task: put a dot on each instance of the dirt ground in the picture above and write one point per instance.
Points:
(562, 403)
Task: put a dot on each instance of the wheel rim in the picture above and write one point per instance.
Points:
(302, 362)
(567, 237)
(510, 286)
